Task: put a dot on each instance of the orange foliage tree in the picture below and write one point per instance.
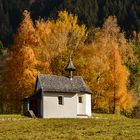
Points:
(113, 43)
(20, 69)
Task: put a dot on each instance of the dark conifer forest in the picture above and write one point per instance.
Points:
(90, 12)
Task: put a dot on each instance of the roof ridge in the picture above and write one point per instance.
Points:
(57, 75)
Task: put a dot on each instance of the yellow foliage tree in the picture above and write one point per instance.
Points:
(60, 38)
(61, 34)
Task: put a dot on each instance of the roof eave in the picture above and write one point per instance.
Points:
(88, 92)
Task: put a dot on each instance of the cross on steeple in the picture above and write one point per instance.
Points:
(70, 68)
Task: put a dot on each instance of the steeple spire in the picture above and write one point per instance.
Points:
(70, 68)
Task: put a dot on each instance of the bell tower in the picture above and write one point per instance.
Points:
(70, 68)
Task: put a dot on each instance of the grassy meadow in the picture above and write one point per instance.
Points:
(100, 127)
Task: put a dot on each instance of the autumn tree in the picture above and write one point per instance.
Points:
(20, 72)
(60, 38)
(115, 90)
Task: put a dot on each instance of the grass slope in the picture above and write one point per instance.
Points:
(102, 127)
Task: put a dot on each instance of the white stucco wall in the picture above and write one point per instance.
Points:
(88, 104)
(51, 108)
(71, 107)
(81, 107)
(84, 108)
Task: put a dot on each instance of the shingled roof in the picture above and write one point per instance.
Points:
(54, 83)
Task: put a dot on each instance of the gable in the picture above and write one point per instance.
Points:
(37, 85)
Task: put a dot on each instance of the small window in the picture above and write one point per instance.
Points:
(60, 100)
(80, 99)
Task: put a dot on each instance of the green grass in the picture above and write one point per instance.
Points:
(101, 127)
